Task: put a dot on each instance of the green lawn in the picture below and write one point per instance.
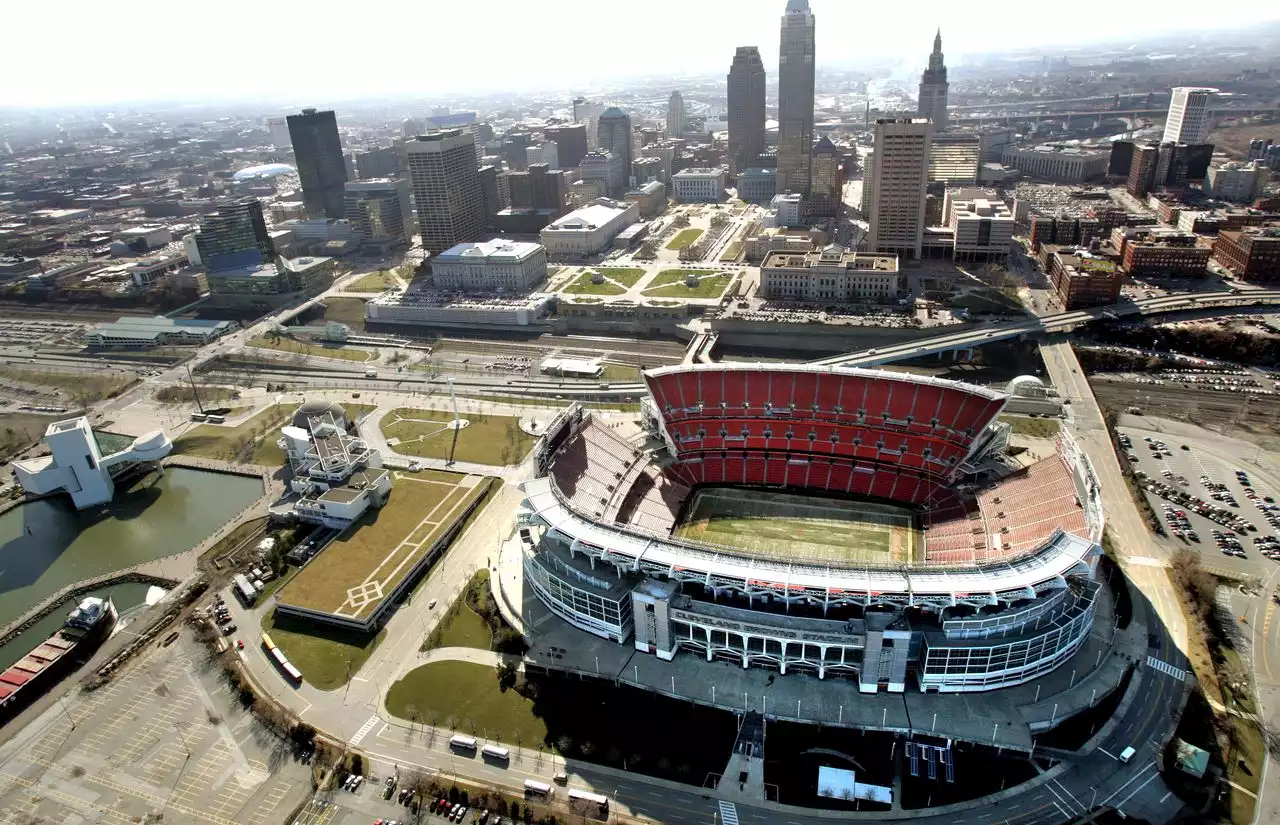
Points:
(373, 282)
(1034, 427)
(488, 439)
(320, 654)
(620, 372)
(677, 276)
(93, 384)
(376, 546)
(685, 237)
(183, 394)
(349, 311)
(463, 627)
(627, 276)
(254, 439)
(670, 284)
(582, 286)
(465, 697)
(316, 350)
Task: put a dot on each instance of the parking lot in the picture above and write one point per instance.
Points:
(1208, 502)
(164, 739)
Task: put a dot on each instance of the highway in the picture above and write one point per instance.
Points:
(1059, 322)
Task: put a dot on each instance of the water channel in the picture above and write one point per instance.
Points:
(47, 544)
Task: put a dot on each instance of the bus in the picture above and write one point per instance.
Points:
(282, 663)
(586, 799)
(495, 752)
(462, 743)
(244, 590)
(533, 787)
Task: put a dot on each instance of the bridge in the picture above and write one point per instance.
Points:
(1130, 115)
(1046, 324)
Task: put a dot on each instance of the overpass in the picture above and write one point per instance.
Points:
(1130, 114)
(1046, 324)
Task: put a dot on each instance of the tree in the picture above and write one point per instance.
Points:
(506, 676)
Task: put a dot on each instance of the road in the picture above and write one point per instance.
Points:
(1059, 322)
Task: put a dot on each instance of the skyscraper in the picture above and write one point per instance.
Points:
(234, 236)
(322, 170)
(379, 212)
(795, 98)
(898, 176)
(446, 188)
(1188, 120)
(828, 180)
(614, 135)
(675, 115)
(571, 143)
(933, 88)
(746, 108)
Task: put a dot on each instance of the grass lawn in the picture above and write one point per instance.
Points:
(465, 697)
(232, 443)
(627, 276)
(349, 311)
(183, 394)
(317, 350)
(97, 383)
(620, 372)
(489, 439)
(731, 253)
(320, 654)
(238, 534)
(685, 237)
(1034, 427)
(677, 276)
(373, 282)
(463, 627)
(582, 286)
(711, 285)
(375, 547)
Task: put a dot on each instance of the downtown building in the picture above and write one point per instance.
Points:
(795, 99)
(831, 274)
(571, 143)
(1189, 120)
(932, 102)
(379, 213)
(613, 134)
(322, 169)
(898, 178)
(445, 180)
(495, 266)
(746, 87)
(675, 115)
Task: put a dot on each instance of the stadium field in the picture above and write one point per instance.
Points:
(793, 527)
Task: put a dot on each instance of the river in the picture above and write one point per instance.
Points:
(47, 544)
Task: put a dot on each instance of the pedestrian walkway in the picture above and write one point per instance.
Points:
(1164, 667)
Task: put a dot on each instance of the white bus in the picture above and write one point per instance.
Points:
(587, 799)
(495, 752)
(536, 788)
(462, 743)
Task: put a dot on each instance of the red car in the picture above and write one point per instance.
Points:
(239, 644)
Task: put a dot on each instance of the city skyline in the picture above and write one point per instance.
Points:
(244, 73)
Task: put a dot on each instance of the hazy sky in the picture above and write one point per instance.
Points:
(89, 51)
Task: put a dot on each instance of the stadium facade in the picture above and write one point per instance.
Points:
(999, 589)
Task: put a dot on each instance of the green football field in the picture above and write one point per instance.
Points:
(802, 528)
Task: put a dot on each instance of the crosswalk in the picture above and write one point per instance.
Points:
(364, 730)
(1166, 668)
(728, 813)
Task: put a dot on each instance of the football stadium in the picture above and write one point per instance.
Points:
(849, 523)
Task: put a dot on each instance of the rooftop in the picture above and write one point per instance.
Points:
(832, 255)
(496, 250)
(592, 216)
